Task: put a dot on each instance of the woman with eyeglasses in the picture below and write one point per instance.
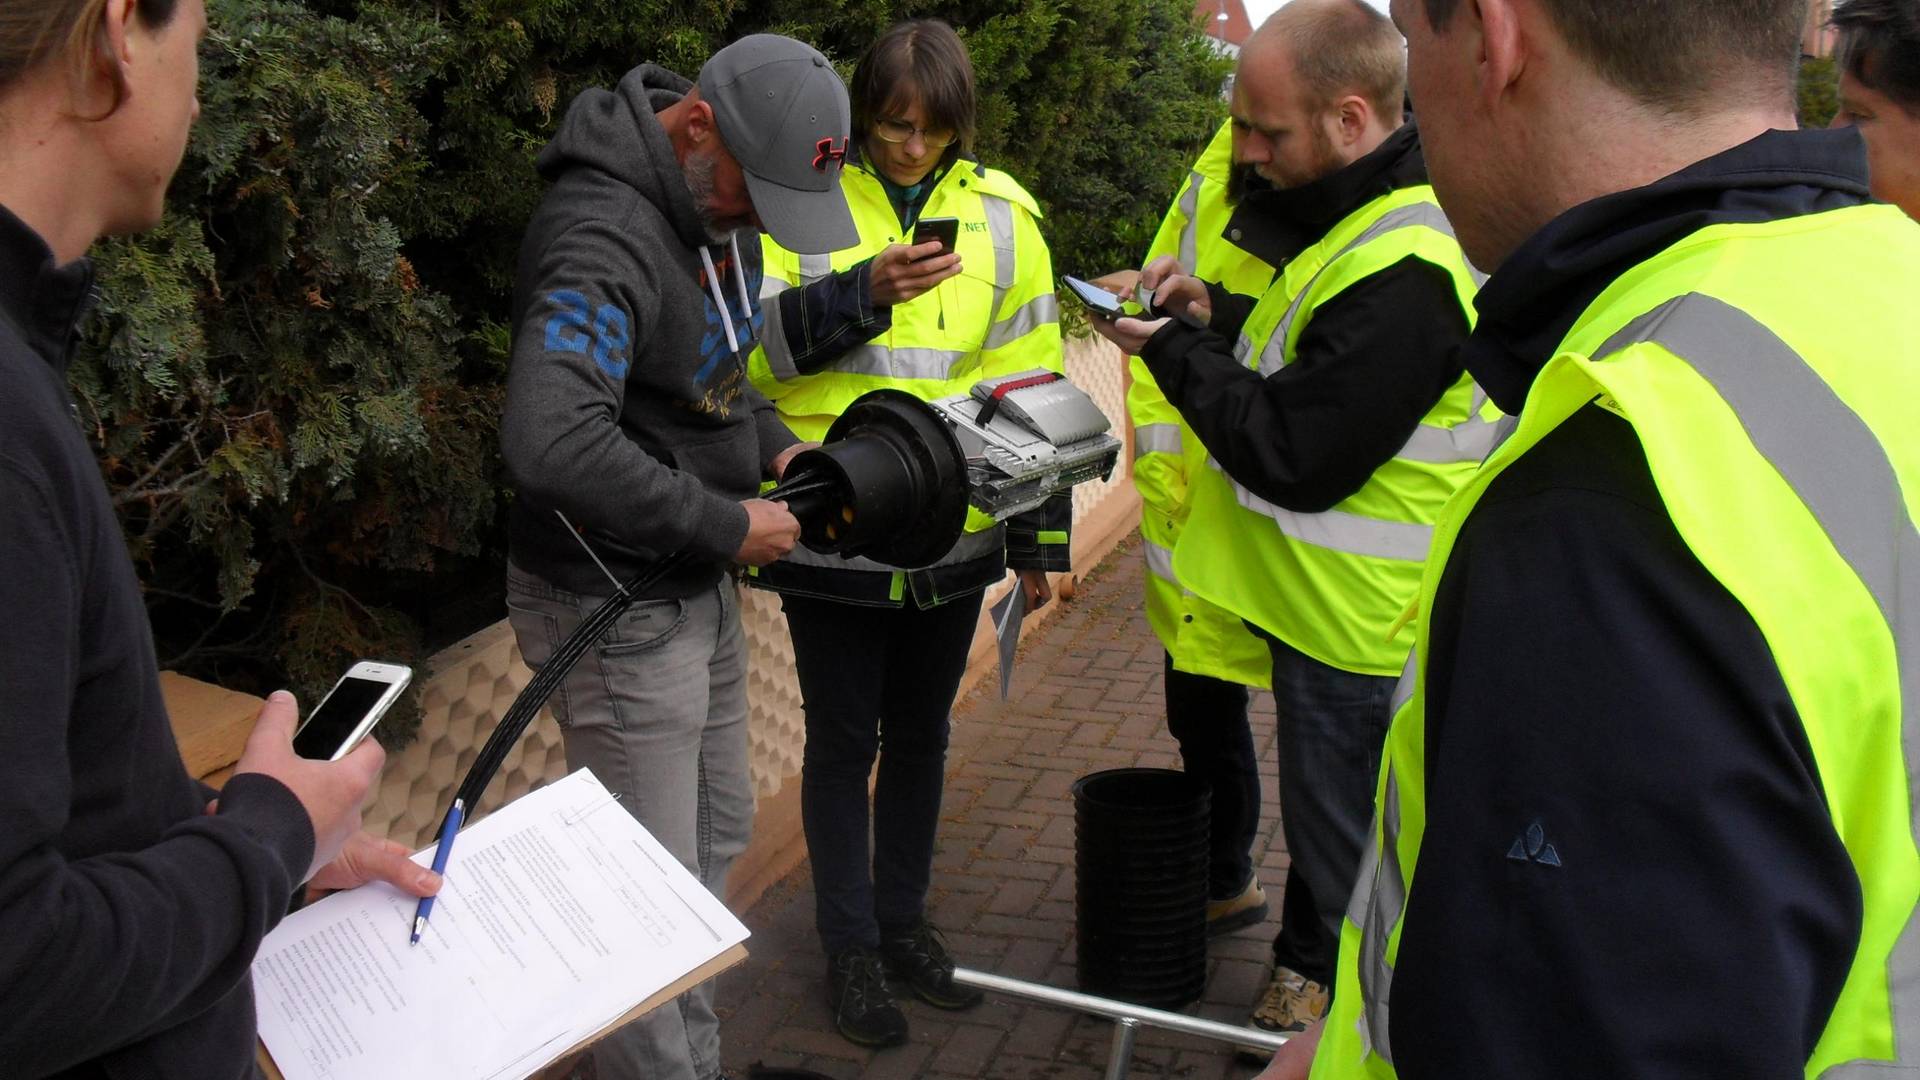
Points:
(880, 649)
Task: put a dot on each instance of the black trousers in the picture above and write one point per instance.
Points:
(877, 683)
(1208, 718)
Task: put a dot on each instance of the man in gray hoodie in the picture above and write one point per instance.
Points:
(631, 432)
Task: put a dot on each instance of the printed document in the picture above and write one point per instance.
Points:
(559, 914)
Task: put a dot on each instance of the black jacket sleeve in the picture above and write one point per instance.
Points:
(1042, 538)
(1230, 311)
(1628, 868)
(1370, 363)
(108, 950)
(830, 316)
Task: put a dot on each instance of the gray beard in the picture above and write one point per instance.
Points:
(698, 173)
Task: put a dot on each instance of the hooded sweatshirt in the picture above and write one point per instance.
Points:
(628, 406)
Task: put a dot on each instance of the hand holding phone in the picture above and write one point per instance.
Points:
(348, 712)
(944, 229)
(895, 276)
(330, 793)
(1100, 303)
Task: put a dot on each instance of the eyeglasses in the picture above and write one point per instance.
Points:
(899, 131)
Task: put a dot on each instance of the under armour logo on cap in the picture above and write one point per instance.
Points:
(825, 151)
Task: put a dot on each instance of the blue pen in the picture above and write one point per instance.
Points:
(440, 854)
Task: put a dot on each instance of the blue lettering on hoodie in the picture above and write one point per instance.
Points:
(568, 331)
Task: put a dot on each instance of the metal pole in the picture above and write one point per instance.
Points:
(1121, 1011)
(1121, 1055)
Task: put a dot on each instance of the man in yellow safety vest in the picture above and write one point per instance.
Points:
(1211, 657)
(1337, 421)
(1646, 808)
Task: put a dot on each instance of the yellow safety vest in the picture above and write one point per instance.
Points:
(996, 317)
(1774, 407)
(1201, 637)
(1335, 585)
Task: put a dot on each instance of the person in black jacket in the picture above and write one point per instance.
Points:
(1628, 867)
(1317, 111)
(131, 901)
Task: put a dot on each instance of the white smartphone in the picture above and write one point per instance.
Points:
(350, 710)
(1101, 304)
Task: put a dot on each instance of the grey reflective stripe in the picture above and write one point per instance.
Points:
(1338, 530)
(1273, 357)
(814, 267)
(1189, 253)
(1470, 440)
(1156, 439)
(1160, 561)
(1840, 470)
(1242, 348)
(971, 545)
(1403, 689)
(1380, 895)
(1503, 430)
(1025, 319)
(899, 363)
(1000, 229)
(773, 337)
(1379, 898)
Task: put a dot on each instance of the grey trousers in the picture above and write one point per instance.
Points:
(658, 710)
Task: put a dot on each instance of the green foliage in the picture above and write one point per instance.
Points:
(294, 382)
(1819, 91)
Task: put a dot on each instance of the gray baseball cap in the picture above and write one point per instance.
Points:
(782, 113)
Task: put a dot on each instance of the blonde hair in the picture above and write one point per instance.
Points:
(35, 32)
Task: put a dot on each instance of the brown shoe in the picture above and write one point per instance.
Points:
(1237, 912)
(1291, 1004)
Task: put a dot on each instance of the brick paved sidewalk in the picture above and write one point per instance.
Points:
(1087, 696)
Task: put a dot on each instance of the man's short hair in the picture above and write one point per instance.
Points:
(1880, 46)
(1345, 48)
(1677, 54)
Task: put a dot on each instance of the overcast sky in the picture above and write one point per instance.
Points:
(1258, 10)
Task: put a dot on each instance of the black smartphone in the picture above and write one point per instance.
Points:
(1101, 304)
(944, 229)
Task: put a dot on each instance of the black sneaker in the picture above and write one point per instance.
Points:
(863, 1009)
(920, 957)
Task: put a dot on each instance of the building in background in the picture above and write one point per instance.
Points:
(1225, 22)
(1817, 38)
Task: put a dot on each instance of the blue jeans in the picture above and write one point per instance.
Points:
(658, 710)
(1331, 728)
(1208, 718)
(877, 682)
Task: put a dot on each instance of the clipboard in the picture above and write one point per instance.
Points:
(560, 1066)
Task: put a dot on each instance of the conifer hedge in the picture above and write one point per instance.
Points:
(294, 383)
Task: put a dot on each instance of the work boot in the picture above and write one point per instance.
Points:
(1291, 1004)
(920, 957)
(863, 1008)
(1247, 908)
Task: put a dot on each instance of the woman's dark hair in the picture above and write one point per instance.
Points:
(923, 59)
(1880, 46)
(33, 32)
